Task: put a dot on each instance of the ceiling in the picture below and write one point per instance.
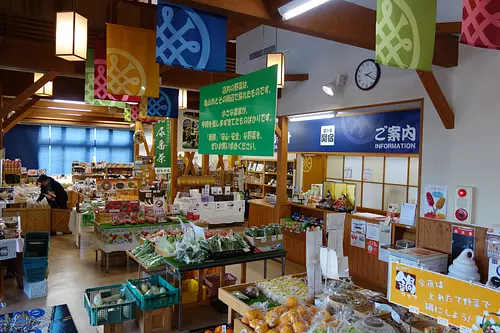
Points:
(447, 11)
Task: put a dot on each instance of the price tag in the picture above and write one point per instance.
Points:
(263, 239)
(246, 249)
(280, 237)
(464, 329)
(414, 310)
(273, 238)
(223, 328)
(443, 321)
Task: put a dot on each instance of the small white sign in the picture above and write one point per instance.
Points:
(358, 226)
(358, 240)
(443, 321)
(464, 329)
(414, 310)
(373, 231)
(221, 205)
(347, 173)
(367, 174)
(327, 137)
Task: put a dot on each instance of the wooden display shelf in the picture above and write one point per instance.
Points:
(32, 219)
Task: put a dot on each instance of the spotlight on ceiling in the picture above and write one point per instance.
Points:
(331, 88)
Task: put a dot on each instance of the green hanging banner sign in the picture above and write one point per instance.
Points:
(406, 31)
(163, 160)
(237, 117)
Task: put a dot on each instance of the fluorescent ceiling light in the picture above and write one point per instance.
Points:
(72, 114)
(68, 102)
(313, 116)
(68, 109)
(297, 7)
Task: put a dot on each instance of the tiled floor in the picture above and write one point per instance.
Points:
(72, 270)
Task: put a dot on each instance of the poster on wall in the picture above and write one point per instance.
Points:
(372, 247)
(468, 306)
(462, 238)
(163, 160)
(357, 240)
(238, 116)
(188, 136)
(396, 132)
(435, 201)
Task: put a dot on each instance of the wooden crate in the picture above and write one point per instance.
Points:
(60, 220)
(32, 219)
(154, 321)
(113, 328)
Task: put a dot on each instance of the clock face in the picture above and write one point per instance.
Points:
(367, 74)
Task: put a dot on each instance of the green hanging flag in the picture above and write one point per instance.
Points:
(405, 33)
(89, 85)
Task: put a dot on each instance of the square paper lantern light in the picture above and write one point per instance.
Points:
(277, 59)
(183, 99)
(46, 90)
(71, 36)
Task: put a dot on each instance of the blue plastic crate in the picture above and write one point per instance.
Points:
(171, 297)
(109, 314)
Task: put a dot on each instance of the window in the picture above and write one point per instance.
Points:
(60, 146)
(380, 180)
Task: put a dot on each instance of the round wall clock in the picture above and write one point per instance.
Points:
(367, 74)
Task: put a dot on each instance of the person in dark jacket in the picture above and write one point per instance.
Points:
(53, 191)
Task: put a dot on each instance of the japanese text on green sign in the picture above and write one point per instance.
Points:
(237, 117)
(162, 146)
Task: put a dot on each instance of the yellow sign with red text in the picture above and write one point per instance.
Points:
(468, 306)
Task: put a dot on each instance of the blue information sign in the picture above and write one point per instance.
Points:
(386, 132)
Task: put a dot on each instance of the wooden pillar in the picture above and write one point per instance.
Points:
(282, 163)
(173, 156)
(1, 120)
(205, 165)
(136, 146)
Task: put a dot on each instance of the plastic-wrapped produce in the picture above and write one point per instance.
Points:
(281, 288)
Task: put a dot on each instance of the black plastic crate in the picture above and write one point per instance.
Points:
(36, 246)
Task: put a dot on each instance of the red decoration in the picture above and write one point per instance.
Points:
(481, 23)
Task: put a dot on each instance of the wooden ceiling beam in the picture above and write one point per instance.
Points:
(27, 93)
(254, 8)
(438, 99)
(20, 114)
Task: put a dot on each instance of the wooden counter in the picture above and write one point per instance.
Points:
(261, 213)
(32, 219)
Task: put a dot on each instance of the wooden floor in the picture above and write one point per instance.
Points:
(72, 270)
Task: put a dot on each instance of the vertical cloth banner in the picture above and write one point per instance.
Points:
(89, 85)
(481, 23)
(161, 131)
(190, 38)
(405, 33)
(130, 55)
(166, 105)
(100, 80)
(237, 117)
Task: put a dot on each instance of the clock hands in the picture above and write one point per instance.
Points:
(368, 74)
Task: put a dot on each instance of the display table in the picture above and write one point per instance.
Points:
(109, 238)
(77, 227)
(9, 248)
(143, 268)
(177, 269)
(220, 212)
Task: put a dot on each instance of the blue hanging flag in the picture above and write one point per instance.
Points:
(190, 38)
(166, 105)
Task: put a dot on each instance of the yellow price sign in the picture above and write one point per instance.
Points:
(470, 307)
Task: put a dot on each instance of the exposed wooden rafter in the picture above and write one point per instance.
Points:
(27, 93)
(438, 99)
(20, 114)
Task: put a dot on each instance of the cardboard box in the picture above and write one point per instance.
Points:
(36, 289)
(264, 241)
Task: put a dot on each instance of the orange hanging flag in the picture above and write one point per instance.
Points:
(131, 54)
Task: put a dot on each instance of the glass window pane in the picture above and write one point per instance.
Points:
(372, 196)
(396, 170)
(358, 193)
(413, 195)
(375, 164)
(414, 171)
(353, 164)
(394, 194)
(334, 167)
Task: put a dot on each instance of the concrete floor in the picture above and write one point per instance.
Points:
(71, 271)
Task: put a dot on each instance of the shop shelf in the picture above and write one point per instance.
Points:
(109, 314)
(171, 297)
